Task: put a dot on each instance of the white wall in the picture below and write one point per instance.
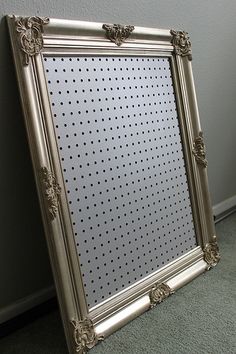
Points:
(24, 265)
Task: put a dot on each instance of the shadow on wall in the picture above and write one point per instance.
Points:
(24, 265)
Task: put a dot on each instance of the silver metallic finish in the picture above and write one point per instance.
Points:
(141, 304)
(30, 35)
(159, 293)
(212, 253)
(84, 335)
(199, 150)
(51, 191)
(144, 286)
(117, 33)
(181, 43)
(68, 38)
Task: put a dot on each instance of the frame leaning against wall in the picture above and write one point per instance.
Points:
(33, 39)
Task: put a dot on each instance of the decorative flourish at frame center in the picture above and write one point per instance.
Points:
(84, 335)
(159, 293)
(30, 31)
(211, 253)
(199, 150)
(52, 191)
(181, 43)
(118, 33)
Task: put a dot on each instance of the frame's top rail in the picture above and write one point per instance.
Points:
(72, 28)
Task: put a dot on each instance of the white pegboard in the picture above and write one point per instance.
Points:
(120, 148)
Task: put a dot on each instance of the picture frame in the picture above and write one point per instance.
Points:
(68, 71)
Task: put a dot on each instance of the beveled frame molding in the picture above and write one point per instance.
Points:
(85, 328)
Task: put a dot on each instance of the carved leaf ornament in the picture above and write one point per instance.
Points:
(211, 253)
(51, 190)
(84, 335)
(159, 293)
(199, 150)
(117, 33)
(30, 31)
(181, 43)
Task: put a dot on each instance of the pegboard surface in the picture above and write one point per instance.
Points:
(120, 148)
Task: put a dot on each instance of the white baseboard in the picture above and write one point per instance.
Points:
(26, 303)
(224, 208)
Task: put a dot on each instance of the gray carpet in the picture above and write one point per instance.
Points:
(199, 318)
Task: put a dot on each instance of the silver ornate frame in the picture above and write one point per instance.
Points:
(32, 36)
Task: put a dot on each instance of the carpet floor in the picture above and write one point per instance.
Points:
(199, 318)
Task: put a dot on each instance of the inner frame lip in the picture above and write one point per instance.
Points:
(150, 53)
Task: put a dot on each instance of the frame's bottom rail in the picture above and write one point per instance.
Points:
(136, 308)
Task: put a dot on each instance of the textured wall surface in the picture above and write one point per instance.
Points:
(24, 265)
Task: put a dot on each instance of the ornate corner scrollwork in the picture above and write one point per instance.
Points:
(181, 43)
(117, 33)
(159, 293)
(30, 31)
(84, 335)
(51, 190)
(199, 150)
(211, 253)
